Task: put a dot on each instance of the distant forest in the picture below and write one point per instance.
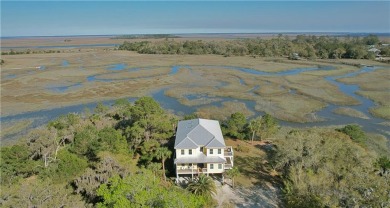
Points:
(323, 47)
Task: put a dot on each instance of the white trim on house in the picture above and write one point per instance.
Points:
(204, 139)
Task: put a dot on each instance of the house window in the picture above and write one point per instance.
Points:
(219, 166)
(211, 166)
(211, 151)
(182, 152)
(190, 151)
(219, 151)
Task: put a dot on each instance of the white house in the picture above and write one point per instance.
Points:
(200, 148)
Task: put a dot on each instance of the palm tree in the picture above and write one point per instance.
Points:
(232, 173)
(155, 168)
(162, 153)
(203, 185)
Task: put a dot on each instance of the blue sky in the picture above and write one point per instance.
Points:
(46, 18)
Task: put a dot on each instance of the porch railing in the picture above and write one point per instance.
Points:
(191, 170)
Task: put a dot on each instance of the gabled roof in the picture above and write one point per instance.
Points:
(199, 132)
(215, 143)
(186, 143)
(201, 135)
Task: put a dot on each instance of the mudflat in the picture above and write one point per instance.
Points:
(31, 82)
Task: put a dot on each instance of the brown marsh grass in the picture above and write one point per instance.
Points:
(30, 90)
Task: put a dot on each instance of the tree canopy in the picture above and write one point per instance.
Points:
(326, 169)
(324, 47)
(95, 161)
(140, 190)
(354, 132)
(100, 160)
(235, 126)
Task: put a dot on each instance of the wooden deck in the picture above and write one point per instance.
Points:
(228, 151)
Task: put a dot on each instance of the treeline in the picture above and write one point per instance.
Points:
(28, 51)
(311, 47)
(146, 36)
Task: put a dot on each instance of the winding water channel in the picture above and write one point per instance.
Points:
(372, 124)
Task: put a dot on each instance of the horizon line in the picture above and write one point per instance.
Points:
(195, 33)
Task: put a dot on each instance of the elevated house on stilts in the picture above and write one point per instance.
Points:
(200, 149)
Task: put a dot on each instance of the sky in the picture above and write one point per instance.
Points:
(51, 18)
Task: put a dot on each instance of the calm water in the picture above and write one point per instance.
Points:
(63, 89)
(63, 46)
(117, 67)
(65, 63)
(171, 104)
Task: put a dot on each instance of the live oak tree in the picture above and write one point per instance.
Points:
(44, 145)
(77, 162)
(65, 162)
(310, 46)
(327, 169)
(140, 190)
(66, 168)
(34, 192)
(100, 173)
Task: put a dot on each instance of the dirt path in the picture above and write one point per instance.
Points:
(256, 196)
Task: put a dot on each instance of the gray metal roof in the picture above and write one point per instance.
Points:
(199, 132)
(215, 143)
(186, 143)
(200, 158)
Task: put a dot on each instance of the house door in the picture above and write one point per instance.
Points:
(200, 167)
